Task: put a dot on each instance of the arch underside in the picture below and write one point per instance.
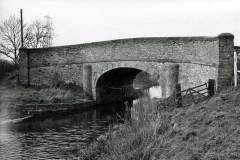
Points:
(99, 69)
(119, 84)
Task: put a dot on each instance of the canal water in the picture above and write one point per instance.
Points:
(59, 136)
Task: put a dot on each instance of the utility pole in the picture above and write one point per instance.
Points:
(235, 69)
(21, 28)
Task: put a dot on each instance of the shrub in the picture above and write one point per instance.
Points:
(5, 67)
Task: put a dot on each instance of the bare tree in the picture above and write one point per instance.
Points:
(41, 34)
(38, 34)
(10, 38)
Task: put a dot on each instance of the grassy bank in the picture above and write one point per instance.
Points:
(12, 94)
(206, 131)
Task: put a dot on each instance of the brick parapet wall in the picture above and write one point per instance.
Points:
(180, 50)
(200, 56)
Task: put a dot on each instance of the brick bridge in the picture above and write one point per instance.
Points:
(101, 66)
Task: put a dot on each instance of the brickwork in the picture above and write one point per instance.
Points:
(226, 65)
(199, 59)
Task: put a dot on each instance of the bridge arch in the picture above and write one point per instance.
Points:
(122, 83)
(99, 70)
(164, 74)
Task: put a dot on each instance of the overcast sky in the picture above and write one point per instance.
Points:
(81, 21)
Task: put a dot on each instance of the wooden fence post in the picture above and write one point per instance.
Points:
(211, 87)
(178, 95)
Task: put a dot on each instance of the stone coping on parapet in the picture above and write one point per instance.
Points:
(140, 39)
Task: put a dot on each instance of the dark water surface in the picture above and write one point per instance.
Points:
(58, 136)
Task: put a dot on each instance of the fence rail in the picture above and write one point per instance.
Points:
(194, 94)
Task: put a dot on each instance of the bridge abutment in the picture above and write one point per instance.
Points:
(171, 80)
(172, 76)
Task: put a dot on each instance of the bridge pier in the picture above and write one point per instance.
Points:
(171, 80)
(87, 81)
